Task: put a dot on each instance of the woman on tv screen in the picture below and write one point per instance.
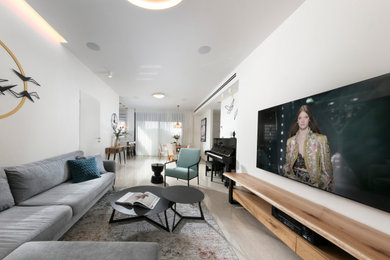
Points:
(308, 153)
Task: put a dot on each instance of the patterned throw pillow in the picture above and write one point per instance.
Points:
(83, 170)
(99, 162)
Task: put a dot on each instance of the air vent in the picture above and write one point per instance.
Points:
(216, 92)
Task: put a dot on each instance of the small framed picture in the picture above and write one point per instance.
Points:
(203, 125)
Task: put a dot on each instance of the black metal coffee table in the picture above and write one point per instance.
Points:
(138, 213)
(185, 195)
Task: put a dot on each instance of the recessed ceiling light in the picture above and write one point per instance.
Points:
(158, 95)
(109, 75)
(204, 49)
(155, 4)
(93, 46)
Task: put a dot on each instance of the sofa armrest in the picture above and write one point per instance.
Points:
(109, 166)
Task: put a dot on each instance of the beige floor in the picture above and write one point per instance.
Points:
(248, 237)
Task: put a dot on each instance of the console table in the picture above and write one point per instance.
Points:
(349, 238)
(116, 150)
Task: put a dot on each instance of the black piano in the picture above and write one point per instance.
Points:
(224, 151)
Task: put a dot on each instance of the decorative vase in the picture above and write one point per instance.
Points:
(117, 144)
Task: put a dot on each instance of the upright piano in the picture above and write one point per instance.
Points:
(223, 151)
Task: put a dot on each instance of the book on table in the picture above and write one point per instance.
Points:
(143, 199)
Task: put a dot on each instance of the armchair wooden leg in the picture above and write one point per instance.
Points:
(165, 180)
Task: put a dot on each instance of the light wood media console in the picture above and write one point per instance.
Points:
(350, 238)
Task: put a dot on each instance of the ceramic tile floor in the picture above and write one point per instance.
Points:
(247, 236)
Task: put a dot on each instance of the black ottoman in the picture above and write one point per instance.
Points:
(157, 168)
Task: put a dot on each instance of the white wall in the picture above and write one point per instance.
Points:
(228, 121)
(208, 114)
(216, 123)
(322, 46)
(130, 124)
(50, 126)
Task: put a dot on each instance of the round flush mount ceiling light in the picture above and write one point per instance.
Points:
(155, 4)
(158, 95)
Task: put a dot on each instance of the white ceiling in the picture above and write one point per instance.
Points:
(157, 51)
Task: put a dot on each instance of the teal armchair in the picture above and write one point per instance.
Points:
(187, 165)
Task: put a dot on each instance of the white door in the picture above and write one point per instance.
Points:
(89, 124)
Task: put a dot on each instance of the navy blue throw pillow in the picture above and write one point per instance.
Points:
(83, 170)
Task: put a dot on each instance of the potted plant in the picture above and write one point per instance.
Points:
(118, 132)
(176, 137)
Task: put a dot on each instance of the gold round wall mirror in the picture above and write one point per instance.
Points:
(10, 111)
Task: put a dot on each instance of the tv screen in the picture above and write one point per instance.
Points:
(337, 141)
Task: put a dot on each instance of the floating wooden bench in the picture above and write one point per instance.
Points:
(349, 238)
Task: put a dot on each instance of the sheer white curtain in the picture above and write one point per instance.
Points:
(155, 128)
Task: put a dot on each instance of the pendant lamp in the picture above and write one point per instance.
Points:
(177, 125)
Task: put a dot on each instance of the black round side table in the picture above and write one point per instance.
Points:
(157, 168)
(185, 195)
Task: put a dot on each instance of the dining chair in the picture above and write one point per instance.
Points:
(162, 150)
(171, 151)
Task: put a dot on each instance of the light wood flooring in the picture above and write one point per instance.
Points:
(247, 236)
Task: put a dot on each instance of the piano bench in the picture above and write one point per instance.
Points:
(209, 167)
(214, 167)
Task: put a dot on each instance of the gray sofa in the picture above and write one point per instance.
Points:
(39, 202)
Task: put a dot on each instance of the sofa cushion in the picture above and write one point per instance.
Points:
(85, 250)
(6, 199)
(83, 170)
(30, 179)
(99, 163)
(180, 172)
(77, 195)
(22, 224)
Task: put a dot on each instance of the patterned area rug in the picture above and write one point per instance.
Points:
(192, 239)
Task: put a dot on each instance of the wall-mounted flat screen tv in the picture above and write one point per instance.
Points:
(337, 141)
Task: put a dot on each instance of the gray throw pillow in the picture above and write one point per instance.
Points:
(6, 198)
(99, 163)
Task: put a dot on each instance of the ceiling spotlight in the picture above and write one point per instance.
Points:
(204, 49)
(109, 75)
(155, 4)
(159, 95)
(93, 46)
